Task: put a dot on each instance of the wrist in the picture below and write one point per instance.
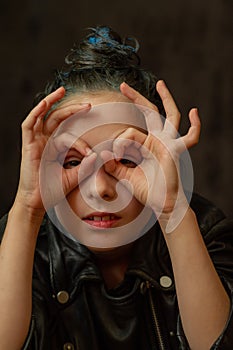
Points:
(169, 220)
(27, 213)
(23, 224)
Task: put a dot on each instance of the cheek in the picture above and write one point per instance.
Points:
(75, 201)
(134, 208)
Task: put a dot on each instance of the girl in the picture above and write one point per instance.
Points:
(168, 289)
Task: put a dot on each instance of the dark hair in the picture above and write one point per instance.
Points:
(102, 61)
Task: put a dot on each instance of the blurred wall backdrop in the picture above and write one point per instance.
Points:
(187, 43)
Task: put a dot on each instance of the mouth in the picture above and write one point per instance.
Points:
(101, 220)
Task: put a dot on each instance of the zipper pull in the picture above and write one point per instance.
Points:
(144, 286)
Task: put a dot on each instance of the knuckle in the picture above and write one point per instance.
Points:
(195, 139)
(24, 124)
(130, 131)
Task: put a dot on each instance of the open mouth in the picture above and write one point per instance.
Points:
(102, 220)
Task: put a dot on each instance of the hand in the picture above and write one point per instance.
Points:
(36, 131)
(156, 180)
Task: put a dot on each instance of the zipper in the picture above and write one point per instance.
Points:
(158, 333)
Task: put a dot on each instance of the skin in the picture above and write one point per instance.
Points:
(103, 181)
(203, 302)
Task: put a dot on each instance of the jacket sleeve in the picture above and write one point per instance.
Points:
(217, 232)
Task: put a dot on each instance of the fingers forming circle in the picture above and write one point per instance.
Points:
(104, 155)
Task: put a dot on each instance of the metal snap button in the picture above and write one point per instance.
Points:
(165, 281)
(68, 346)
(62, 297)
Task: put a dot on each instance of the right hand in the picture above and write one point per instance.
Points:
(35, 134)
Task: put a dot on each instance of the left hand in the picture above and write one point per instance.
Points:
(156, 181)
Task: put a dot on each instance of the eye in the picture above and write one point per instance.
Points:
(72, 159)
(69, 164)
(128, 163)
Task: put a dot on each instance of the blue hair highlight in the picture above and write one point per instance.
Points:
(102, 36)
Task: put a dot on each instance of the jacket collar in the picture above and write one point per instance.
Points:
(71, 263)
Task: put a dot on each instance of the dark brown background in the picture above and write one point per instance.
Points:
(187, 43)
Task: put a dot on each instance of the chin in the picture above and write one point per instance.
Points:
(101, 250)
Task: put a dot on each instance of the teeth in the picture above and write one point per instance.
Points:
(102, 218)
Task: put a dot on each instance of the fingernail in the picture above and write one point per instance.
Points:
(161, 81)
(130, 92)
(61, 89)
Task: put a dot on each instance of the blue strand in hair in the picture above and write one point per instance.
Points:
(103, 33)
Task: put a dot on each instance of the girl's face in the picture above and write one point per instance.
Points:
(91, 201)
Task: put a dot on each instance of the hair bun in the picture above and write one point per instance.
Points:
(104, 48)
(105, 35)
(102, 61)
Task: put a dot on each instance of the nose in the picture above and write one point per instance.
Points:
(103, 185)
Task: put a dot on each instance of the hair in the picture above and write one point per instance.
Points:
(102, 61)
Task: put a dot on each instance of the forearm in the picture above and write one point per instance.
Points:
(16, 263)
(203, 302)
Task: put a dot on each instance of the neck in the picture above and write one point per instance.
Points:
(113, 264)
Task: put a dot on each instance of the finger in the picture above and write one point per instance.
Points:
(193, 134)
(54, 97)
(38, 126)
(31, 119)
(153, 121)
(33, 124)
(115, 168)
(130, 137)
(60, 114)
(87, 167)
(42, 108)
(172, 121)
(82, 146)
(151, 113)
(73, 177)
(65, 142)
(136, 97)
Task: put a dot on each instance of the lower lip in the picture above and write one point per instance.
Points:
(101, 224)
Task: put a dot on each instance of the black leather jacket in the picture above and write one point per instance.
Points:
(73, 310)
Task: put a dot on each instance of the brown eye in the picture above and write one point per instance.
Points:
(71, 164)
(128, 163)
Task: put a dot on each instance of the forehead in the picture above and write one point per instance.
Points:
(95, 97)
(100, 134)
(111, 113)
